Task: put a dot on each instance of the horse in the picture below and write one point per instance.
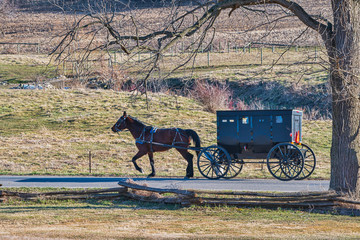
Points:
(149, 139)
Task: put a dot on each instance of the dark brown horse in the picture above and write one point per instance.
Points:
(150, 140)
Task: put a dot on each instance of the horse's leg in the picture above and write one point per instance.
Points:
(189, 158)
(151, 158)
(137, 156)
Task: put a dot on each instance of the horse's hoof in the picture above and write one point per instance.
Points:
(151, 175)
(140, 170)
(187, 177)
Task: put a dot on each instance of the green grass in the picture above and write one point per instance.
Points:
(53, 131)
(22, 73)
(108, 219)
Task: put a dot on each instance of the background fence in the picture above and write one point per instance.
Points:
(18, 48)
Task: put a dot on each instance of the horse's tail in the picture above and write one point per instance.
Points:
(195, 137)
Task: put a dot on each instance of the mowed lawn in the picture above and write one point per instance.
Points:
(124, 219)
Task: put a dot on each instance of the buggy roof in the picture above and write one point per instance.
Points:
(259, 112)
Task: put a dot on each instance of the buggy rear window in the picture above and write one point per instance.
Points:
(279, 119)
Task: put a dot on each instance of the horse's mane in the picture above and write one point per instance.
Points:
(137, 120)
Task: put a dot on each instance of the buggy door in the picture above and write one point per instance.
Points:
(228, 130)
(262, 130)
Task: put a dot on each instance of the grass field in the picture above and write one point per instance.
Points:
(53, 131)
(135, 220)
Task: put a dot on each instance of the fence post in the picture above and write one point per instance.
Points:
(315, 54)
(273, 48)
(90, 162)
(64, 68)
(208, 58)
(261, 55)
(228, 45)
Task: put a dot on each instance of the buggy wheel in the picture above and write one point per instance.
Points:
(309, 161)
(213, 162)
(235, 168)
(285, 161)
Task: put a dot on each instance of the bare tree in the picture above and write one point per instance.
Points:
(340, 36)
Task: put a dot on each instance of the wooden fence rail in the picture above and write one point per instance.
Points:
(132, 190)
(222, 47)
(18, 46)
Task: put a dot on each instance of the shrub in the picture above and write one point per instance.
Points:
(214, 96)
(107, 77)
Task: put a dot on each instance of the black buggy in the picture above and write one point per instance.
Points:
(247, 136)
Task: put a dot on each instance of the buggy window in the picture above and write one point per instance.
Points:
(228, 120)
(279, 119)
(245, 120)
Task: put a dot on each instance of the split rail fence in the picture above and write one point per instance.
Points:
(131, 190)
(261, 50)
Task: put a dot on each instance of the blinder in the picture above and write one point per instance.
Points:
(116, 127)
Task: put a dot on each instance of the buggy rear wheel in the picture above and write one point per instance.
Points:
(235, 168)
(309, 161)
(285, 161)
(213, 162)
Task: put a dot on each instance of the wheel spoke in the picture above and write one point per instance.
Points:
(282, 154)
(309, 162)
(216, 163)
(290, 161)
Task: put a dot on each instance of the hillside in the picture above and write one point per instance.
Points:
(54, 131)
(58, 130)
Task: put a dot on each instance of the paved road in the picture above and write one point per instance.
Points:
(205, 184)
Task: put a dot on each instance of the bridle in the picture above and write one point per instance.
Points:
(118, 124)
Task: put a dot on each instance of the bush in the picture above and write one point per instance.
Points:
(213, 96)
(107, 77)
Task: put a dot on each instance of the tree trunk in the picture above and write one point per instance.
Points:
(344, 79)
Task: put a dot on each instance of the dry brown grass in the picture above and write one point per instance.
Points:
(52, 132)
(37, 27)
(114, 220)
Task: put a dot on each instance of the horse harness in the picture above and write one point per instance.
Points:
(141, 139)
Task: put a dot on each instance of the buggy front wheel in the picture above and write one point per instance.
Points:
(235, 168)
(213, 162)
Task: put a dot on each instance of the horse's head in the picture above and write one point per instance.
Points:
(120, 124)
